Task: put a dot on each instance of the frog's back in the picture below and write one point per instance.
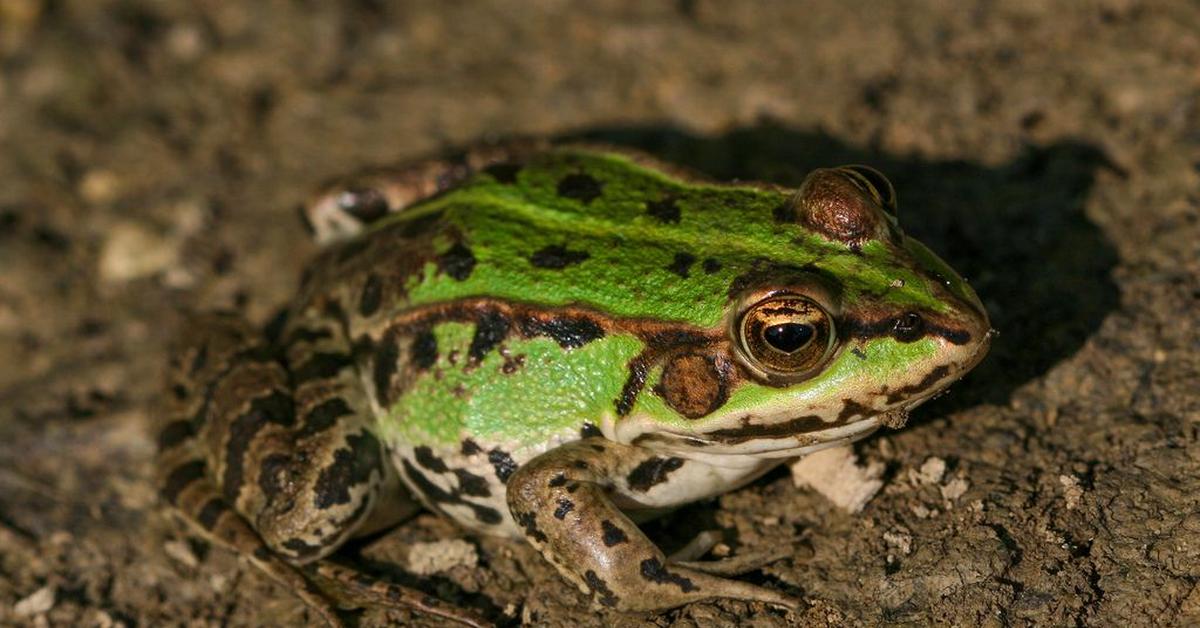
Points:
(578, 226)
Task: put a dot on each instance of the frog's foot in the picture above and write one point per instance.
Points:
(352, 588)
(199, 504)
(561, 500)
(345, 207)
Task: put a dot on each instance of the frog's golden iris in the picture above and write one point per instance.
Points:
(788, 336)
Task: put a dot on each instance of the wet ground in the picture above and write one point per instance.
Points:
(152, 155)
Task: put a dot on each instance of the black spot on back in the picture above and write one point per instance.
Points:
(371, 296)
(681, 264)
(711, 266)
(457, 262)
(665, 210)
(557, 257)
(581, 187)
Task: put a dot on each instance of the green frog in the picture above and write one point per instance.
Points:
(553, 343)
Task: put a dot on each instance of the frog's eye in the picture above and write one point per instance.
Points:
(876, 184)
(787, 336)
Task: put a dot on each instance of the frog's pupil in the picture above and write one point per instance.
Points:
(788, 337)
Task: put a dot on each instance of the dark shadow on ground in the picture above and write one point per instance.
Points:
(1017, 232)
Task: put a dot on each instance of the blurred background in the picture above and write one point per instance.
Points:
(153, 155)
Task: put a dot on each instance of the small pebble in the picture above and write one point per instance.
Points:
(899, 539)
(439, 556)
(133, 251)
(1072, 491)
(182, 552)
(36, 603)
(954, 489)
(931, 471)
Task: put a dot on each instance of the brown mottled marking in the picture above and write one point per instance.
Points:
(694, 384)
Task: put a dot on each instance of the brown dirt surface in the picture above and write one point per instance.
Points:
(154, 152)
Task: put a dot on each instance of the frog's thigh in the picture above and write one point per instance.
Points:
(561, 501)
(345, 207)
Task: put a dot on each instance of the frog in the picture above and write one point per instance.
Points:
(553, 343)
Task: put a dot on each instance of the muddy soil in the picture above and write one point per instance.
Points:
(152, 155)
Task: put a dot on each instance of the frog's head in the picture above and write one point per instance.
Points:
(824, 344)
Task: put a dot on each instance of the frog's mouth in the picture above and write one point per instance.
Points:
(759, 445)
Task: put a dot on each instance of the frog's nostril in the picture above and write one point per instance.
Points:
(908, 327)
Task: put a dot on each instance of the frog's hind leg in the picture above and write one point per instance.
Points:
(270, 456)
(346, 206)
(185, 478)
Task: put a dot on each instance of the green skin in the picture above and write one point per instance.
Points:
(551, 343)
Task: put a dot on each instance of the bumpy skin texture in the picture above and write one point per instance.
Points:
(557, 336)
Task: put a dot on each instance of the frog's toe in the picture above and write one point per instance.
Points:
(740, 564)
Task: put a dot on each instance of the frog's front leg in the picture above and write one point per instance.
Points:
(563, 500)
